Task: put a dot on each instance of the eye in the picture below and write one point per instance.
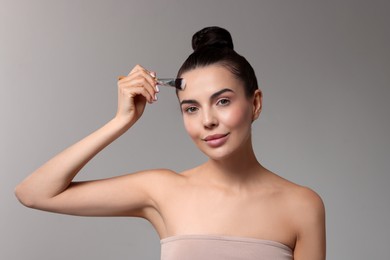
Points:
(223, 102)
(190, 110)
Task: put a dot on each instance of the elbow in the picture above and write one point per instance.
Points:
(23, 196)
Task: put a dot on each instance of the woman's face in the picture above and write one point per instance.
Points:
(217, 114)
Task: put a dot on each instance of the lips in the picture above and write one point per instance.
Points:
(216, 140)
(214, 137)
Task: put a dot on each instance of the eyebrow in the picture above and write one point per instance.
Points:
(213, 96)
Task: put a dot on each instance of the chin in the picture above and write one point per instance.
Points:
(217, 154)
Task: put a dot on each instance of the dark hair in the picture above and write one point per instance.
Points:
(214, 45)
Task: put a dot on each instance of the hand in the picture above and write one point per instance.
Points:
(134, 90)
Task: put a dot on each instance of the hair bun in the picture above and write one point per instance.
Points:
(212, 37)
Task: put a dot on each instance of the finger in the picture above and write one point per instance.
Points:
(137, 90)
(135, 69)
(139, 68)
(150, 77)
(144, 82)
(141, 91)
(141, 71)
(154, 77)
(147, 75)
(133, 85)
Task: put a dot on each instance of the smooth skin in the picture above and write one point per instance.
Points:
(231, 194)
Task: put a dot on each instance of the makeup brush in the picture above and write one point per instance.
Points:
(178, 83)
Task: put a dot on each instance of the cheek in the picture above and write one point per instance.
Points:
(238, 116)
(190, 126)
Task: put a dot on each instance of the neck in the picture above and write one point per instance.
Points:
(237, 169)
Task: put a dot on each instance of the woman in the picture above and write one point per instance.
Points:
(230, 207)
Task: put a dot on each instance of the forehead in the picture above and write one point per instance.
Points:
(204, 81)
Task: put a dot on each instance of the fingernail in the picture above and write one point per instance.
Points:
(153, 74)
(157, 88)
(155, 97)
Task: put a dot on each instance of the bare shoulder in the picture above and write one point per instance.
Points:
(158, 173)
(306, 211)
(303, 203)
(161, 181)
(157, 177)
(306, 215)
(297, 196)
(305, 198)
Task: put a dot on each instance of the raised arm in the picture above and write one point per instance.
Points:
(50, 187)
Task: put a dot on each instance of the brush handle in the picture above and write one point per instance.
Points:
(170, 82)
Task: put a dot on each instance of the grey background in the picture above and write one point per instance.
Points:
(324, 68)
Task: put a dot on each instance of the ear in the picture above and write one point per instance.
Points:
(257, 104)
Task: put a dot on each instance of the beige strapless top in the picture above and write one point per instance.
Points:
(204, 247)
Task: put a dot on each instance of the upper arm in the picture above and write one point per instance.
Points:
(310, 222)
(127, 195)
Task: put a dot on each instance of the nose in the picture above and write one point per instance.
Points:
(210, 120)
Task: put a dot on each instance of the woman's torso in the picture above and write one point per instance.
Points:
(192, 206)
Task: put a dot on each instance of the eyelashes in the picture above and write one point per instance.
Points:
(191, 109)
(223, 102)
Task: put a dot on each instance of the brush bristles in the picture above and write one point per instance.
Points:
(180, 83)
